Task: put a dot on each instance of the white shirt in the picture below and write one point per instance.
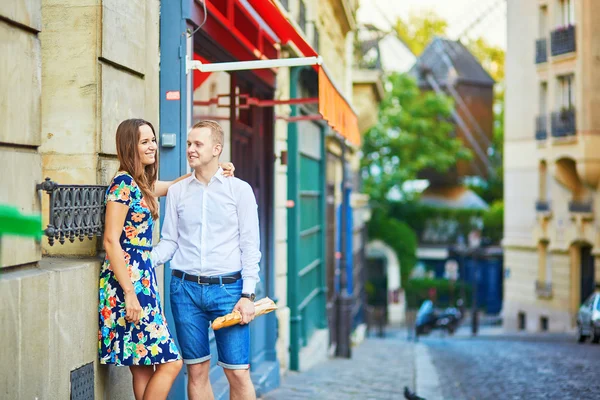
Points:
(211, 229)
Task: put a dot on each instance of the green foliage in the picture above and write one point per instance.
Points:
(398, 235)
(446, 292)
(413, 133)
(493, 222)
(491, 57)
(419, 29)
(450, 222)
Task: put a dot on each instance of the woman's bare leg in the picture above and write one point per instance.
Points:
(141, 376)
(162, 380)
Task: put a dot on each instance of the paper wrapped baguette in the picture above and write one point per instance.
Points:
(262, 306)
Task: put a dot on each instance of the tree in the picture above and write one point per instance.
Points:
(418, 30)
(413, 133)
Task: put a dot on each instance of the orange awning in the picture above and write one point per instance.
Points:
(333, 107)
(336, 111)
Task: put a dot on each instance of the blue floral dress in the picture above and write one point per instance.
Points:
(121, 342)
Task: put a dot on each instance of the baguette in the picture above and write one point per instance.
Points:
(262, 306)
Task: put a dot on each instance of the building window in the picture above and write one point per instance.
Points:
(521, 321)
(566, 13)
(543, 22)
(543, 323)
(566, 91)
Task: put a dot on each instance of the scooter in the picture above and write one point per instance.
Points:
(428, 319)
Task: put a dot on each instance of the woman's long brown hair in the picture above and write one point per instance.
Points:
(128, 136)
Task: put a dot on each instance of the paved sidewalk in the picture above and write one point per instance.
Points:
(379, 369)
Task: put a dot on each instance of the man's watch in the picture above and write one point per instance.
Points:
(250, 296)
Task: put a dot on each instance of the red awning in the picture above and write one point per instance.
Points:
(334, 108)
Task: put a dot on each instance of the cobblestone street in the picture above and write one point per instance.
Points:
(379, 369)
(491, 366)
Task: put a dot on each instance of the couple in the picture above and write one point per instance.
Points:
(211, 234)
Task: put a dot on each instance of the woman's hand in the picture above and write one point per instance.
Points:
(133, 308)
(228, 169)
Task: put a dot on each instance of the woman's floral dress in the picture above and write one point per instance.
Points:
(121, 342)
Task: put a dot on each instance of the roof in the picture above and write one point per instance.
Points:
(450, 61)
(457, 197)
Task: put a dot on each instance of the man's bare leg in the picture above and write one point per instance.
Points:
(240, 384)
(199, 387)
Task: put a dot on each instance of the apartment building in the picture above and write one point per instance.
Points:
(552, 163)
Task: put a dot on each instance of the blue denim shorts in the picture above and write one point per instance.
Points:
(194, 307)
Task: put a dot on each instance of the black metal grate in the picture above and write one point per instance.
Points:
(541, 127)
(76, 211)
(542, 206)
(541, 51)
(562, 40)
(581, 206)
(563, 123)
(302, 16)
(82, 383)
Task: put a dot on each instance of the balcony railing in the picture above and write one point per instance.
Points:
(562, 40)
(541, 127)
(542, 206)
(75, 212)
(302, 16)
(580, 207)
(563, 123)
(541, 51)
(543, 289)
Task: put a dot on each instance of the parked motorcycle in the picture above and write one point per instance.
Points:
(428, 318)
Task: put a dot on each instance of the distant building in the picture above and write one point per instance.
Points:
(551, 170)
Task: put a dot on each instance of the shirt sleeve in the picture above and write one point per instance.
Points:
(249, 237)
(121, 190)
(167, 246)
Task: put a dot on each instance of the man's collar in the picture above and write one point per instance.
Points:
(218, 176)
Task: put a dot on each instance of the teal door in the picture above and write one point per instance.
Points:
(307, 287)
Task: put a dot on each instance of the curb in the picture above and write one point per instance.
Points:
(426, 377)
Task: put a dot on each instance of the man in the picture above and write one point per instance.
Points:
(211, 234)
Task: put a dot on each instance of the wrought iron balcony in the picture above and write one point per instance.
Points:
(302, 16)
(562, 40)
(542, 206)
(76, 211)
(541, 127)
(563, 123)
(543, 289)
(581, 207)
(541, 51)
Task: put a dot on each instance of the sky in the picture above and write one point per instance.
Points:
(459, 14)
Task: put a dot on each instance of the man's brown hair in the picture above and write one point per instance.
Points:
(217, 134)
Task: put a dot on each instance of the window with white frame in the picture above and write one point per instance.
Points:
(566, 12)
(566, 91)
(543, 21)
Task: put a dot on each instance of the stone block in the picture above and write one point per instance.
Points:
(73, 309)
(10, 322)
(281, 189)
(281, 261)
(24, 12)
(34, 331)
(124, 34)
(20, 86)
(281, 289)
(152, 66)
(122, 98)
(70, 84)
(281, 224)
(19, 190)
(107, 169)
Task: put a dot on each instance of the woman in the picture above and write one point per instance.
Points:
(133, 330)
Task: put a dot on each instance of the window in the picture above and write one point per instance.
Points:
(521, 321)
(566, 12)
(543, 100)
(544, 264)
(566, 91)
(543, 21)
(544, 323)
